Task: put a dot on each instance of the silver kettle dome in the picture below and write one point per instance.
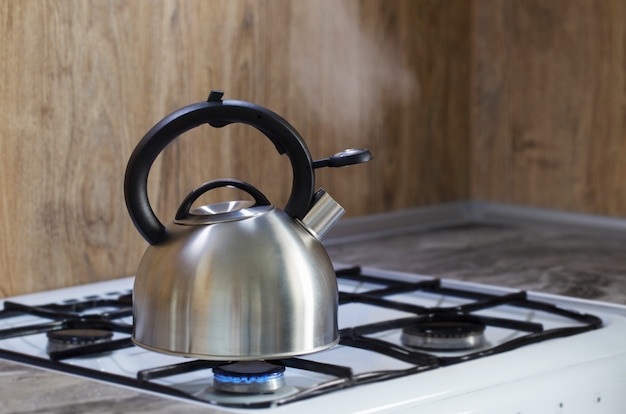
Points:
(265, 289)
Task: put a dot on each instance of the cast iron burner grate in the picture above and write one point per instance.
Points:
(92, 313)
(79, 315)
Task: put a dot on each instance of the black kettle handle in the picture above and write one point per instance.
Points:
(216, 113)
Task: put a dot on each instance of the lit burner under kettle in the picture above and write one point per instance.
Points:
(249, 377)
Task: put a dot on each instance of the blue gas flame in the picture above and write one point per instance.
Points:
(247, 379)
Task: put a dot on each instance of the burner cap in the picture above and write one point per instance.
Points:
(445, 334)
(248, 377)
(70, 338)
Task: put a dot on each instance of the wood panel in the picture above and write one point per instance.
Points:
(549, 104)
(82, 81)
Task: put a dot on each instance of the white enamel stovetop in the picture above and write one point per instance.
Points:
(584, 373)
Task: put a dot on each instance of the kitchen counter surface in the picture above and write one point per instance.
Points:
(25, 389)
(538, 258)
(532, 258)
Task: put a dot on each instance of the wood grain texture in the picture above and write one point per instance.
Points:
(82, 81)
(549, 104)
(34, 390)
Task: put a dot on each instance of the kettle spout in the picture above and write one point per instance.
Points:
(324, 213)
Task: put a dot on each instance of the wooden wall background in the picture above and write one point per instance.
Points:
(549, 104)
(514, 101)
(82, 81)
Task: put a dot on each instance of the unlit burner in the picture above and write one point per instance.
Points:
(445, 334)
(65, 339)
(249, 377)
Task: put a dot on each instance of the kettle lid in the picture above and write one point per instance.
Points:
(225, 211)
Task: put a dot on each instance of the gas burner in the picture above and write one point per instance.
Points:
(445, 334)
(249, 377)
(64, 339)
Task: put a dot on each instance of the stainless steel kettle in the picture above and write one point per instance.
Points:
(238, 280)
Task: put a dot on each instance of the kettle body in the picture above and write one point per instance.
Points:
(266, 288)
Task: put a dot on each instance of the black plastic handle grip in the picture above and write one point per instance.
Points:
(217, 113)
(185, 206)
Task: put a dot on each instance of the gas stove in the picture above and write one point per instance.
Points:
(407, 343)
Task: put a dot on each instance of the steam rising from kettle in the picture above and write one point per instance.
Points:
(238, 280)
